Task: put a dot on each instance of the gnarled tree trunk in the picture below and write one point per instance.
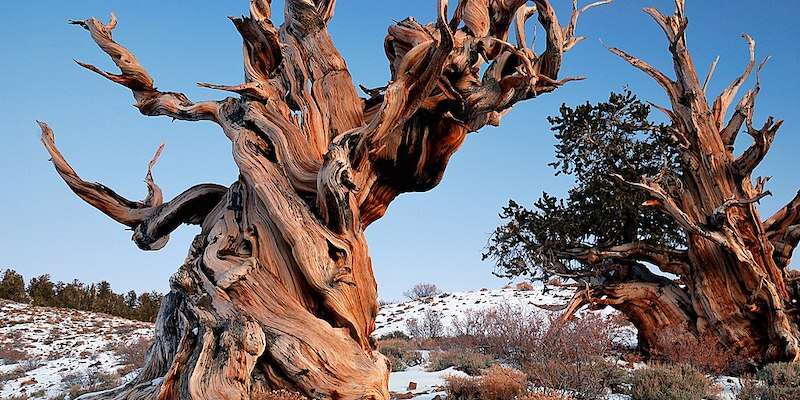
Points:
(277, 291)
(733, 278)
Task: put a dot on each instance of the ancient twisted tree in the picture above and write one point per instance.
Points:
(677, 198)
(277, 290)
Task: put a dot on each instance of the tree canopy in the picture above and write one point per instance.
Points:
(594, 143)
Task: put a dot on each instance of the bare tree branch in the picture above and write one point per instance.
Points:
(667, 259)
(149, 101)
(120, 209)
(724, 100)
(151, 219)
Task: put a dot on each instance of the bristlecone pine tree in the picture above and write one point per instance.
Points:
(278, 291)
(678, 198)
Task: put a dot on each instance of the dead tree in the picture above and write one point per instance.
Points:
(733, 277)
(277, 290)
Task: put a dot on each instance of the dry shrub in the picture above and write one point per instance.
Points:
(422, 290)
(495, 383)
(567, 356)
(428, 327)
(555, 281)
(10, 354)
(571, 357)
(281, 395)
(90, 381)
(704, 352)
(524, 286)
(400, 353)
(463, 359)
(780, 381)
(509, 332)
(133, 354)
(671, 382)
(395, 335)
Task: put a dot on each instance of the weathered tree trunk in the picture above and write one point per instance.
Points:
(735, 282)
(277, 291)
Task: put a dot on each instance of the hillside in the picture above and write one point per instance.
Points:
(48, 351)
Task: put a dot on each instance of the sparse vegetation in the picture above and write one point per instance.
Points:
(90, 381)
(462, 359)
(10, 354)
(430, 326)
(494, 383)
(133, 353)
(704, 352)
(671, 382)
(780, 381)
(401, 353)
(422, 290)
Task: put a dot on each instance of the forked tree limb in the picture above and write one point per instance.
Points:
(151, 219)
(149, 100)
(725, 99)
(120, 209)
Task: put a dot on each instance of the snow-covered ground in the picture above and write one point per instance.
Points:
(54, 343)
(393, 317)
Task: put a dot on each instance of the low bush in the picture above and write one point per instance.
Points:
(90, 381)
(395, 335)
(429, 326)
(569, 356)
(401, 353)
(704, 352)
(10, 355)
(580, 363)
(671, 382)
(542, 396)
(133, 353)
(589, 378)
(494, 383)
(779, 381)
(465, 360)
(524, 286)
(422, 290)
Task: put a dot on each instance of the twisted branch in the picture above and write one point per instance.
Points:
(149, 101)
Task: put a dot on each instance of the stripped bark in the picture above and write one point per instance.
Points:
(277, 291)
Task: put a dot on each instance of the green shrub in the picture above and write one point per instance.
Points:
(673, 382)
(780, 381)
(465, 360)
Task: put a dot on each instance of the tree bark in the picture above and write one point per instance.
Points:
(733, 276)
(277, 291)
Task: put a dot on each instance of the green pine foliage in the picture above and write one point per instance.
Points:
(594, 142)
(99, 297)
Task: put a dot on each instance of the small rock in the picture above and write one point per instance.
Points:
(412, 386)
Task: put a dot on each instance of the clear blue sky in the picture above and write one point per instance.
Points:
(436, 236)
